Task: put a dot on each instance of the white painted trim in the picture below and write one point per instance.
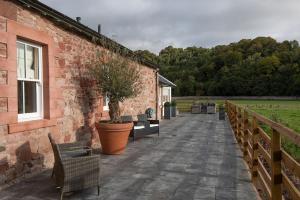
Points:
(39, 88)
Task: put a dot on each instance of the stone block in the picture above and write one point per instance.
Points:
(3, 26)
(2, 148)
(3, 77)
(3, 50)
(3, 104)
(3, 130)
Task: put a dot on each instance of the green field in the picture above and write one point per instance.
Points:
(286, 112)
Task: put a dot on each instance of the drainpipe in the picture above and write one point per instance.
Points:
(156, 88)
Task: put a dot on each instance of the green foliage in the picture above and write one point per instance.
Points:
(173, 103)
(167, 104)
(261, 66)
(221, 106)
(116, 78)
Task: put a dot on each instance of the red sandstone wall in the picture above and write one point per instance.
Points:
(69, 112)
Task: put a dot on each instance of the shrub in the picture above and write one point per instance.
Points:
(173, 103)
(167, 104)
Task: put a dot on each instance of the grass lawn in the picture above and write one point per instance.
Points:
(286, 112)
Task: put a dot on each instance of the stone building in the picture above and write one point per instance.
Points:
(42, 56)
(165, 92)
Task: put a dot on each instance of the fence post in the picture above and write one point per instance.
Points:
(227, 110)
(238, 123)
(234, 118)
(245, 132)
(276, 176)
(254, 161)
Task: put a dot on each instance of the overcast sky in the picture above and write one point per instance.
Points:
(155, 24)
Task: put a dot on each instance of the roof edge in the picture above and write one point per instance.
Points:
(91, 34)
(165, 81)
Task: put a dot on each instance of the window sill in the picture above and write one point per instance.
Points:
(30, 125)
(28, 119)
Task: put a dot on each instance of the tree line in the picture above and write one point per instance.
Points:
(252, 67)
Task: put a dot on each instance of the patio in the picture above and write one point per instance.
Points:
(195, 157)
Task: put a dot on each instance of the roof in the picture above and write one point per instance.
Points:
(94, 36)
(165, 82)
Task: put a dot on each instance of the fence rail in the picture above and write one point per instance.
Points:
(273, 170)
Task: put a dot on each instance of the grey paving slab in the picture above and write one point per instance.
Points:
(196, 157)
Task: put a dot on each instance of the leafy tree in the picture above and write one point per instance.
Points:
(117, 79)
(259, 66)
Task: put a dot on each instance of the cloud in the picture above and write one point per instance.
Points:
(155, 24)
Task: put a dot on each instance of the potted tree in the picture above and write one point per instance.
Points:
(173, 108)
(167, 110)
(115, 78)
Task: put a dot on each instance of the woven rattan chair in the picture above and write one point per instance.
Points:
(68, 149)
(76, 172)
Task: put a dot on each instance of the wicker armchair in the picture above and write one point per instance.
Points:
(67, 150)
(76, 172)
(143, 126)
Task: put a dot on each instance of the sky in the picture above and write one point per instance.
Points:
(156, 24)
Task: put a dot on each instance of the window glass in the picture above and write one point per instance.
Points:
(21, 60)
(30, 90)
(32, 62)
(20, 97)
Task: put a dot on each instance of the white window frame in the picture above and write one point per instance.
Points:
(105, 103)
(39, 90)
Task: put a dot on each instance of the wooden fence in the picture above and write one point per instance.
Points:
(273, 171)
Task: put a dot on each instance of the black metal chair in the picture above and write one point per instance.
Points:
(143, 126)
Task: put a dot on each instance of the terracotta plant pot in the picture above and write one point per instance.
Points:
(113, 137)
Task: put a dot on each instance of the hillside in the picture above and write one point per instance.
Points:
(261, 66)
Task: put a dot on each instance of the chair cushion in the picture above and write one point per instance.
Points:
(138, 127)
(154, 125)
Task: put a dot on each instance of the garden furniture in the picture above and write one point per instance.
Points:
(196, 109)
(68, 149)
(211, 108)
(76, 172)
(143, 126)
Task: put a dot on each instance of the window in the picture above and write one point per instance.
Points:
(105, 103)
(29, 75)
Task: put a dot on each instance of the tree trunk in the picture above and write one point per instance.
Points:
(114, 111)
